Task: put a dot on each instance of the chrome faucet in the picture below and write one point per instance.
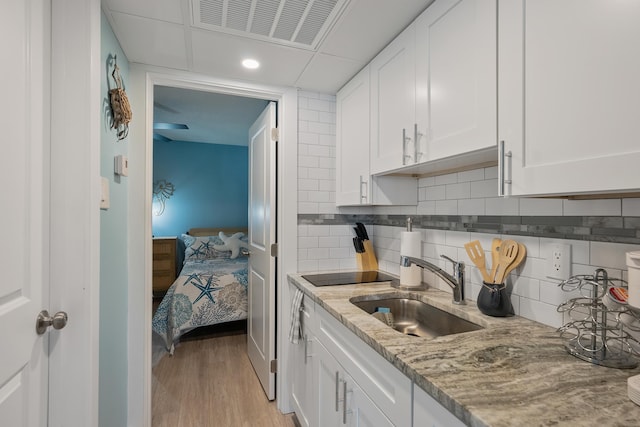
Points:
(456, 282)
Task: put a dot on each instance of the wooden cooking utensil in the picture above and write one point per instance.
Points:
(508, 253)
(495, 255)
(522, 253)
(476, 254)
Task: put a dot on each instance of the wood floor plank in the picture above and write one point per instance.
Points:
(210, 382)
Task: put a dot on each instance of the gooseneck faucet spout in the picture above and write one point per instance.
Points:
(456, 282)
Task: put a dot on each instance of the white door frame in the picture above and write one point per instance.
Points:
(74, 211)
(143, 79)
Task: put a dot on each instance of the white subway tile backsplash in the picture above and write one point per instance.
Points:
(630, 207)
(600, 207)
(611, 255)
(318, 230)
(308, 184)
(457, 191)
(328, 242)
(309, 115)
(484, 189)
(319, 151)
(318, 253)
(491, 172)
(308, 138)
(308, 208)
(427, 182)
(471, 207)
(540, 312)
(324, 117)
(318, 173)
(540, 207)
(308, 162)
(322, 105)
(328, 140)
(502, 206)
(322, 128)
(471, 175)
(426, 208)
(306, 242)
(526, 287)
(438, 192)
(328, 264)
(446, 207)
(307, 265)
(450, 178)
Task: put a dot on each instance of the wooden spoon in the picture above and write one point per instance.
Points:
(495, 255)
(508, 253)
(522, 253)
(476, 254)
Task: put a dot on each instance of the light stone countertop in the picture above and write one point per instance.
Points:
(515, 372)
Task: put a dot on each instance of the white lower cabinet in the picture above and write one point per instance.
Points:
(427, 412)
(302, 359)
(338, 380)
(341, 401)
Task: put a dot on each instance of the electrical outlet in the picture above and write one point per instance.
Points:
(559, 262)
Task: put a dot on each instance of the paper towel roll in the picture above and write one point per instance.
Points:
(411, 244)
(411, 276)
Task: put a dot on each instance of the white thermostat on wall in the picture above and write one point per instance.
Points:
(121, 165)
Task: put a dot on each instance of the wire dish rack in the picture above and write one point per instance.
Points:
(598, 330)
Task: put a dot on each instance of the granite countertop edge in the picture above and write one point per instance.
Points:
(511, 372)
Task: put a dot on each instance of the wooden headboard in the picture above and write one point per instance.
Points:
(214, 231)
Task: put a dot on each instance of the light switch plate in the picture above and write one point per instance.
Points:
(104, 193)
(121, 165)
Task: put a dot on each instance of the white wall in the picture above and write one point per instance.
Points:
(329, 247)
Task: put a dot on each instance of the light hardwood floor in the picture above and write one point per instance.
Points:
(210, 382)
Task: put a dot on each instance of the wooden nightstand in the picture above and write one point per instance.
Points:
(164, 263)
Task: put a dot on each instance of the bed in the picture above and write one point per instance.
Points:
(210, 289)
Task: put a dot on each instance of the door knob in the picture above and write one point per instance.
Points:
(58, 321)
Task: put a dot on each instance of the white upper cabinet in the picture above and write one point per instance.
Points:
(393, 104)
(569, 96)
(354, 183)
(352, 154)
(456, 92)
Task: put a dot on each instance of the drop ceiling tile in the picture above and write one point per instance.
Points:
(328, 74)
(221, 54)
(151, 42)
(367, 26)
(164, 10)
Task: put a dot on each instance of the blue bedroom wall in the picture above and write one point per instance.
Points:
(211, 185)
(113, 251)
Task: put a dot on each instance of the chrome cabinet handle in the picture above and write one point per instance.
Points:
(306, 349)
(501, 168)
(43, 321)
(337, 391)
(363, 194)
(405, 138)
(416, 138)
(344, 403)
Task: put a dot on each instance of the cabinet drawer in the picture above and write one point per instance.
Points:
(385, 385)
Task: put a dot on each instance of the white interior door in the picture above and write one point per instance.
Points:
(261, 328)
(24, 168)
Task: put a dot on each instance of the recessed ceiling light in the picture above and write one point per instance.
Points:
(250, 63)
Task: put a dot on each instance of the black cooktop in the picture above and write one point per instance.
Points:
(347, 278)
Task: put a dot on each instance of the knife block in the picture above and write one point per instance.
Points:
(367, 260)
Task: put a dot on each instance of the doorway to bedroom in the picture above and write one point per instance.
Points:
(202, 148)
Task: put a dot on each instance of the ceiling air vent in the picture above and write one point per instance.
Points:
(300, 23)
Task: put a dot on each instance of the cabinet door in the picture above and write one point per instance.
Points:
(341, 401)
(393, 103)
(302, 359)
(352, 142)
(328, 376)
(428, 412)
(569, 96)
(456, 92)
(362, 412)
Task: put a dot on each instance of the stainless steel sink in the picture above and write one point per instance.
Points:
(414, 317)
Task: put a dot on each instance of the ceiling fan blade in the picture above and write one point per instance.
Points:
(161, 138)
(170, 126)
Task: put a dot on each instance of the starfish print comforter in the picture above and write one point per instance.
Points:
(207, 292)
